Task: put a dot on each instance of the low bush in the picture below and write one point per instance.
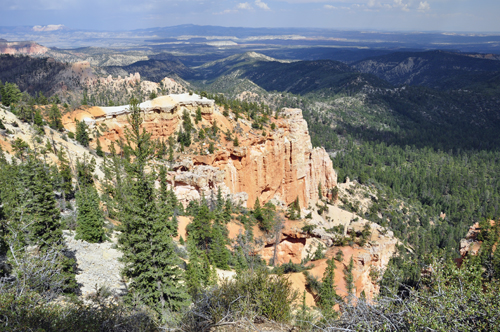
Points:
(250, 295)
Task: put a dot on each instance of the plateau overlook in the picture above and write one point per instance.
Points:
(268, 169)
(240, 191)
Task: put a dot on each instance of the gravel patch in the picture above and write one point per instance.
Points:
(98, 265)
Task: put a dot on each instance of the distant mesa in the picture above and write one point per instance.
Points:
(22, 47)
(222, 43)
(46, 28)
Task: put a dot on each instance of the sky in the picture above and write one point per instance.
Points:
(388, 15)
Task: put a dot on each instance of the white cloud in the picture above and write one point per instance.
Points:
(424, 6)
(262, 5)
(244, 6)
(227, 11)
(400, 4)
(329, 7)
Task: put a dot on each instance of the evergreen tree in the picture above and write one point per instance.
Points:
(42, 100)
(220, 200)
(236, 142)
(198, 115)
(65, 182)
(240, 261)
(215, 128)
(327, 294)
(89, 218)
(199, 230)
(10, 93)
(55, 117)
(293, 212)
(186, 121)
(37, 208)
(349, 279)
(98, 150)
(3, 243)
(85, 171)
(219, 254)
(257, 211)
(112, 184)
(228, 209)
(40, 207)
(38, 118)
(148, 249)
(194, 269)
(82, 133)
(170, 153)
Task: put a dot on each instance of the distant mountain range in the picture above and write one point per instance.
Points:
(212, 38)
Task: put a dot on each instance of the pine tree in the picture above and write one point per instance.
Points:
(173, 226)
(40, 206)
(38, 209)
(55, 117)
(240, 262)
(98, 150)
(228, 209)
(194, 269)
(10, 93)
(327, 295)
(112, 184)
(65, 176)
(199, 230)
(82, 133)
(219, 254)
(3, 242)
(162, 177)
(38, 118)
(220, 200)
(148, 249)
(257, 211)
(236, 142)
(349, 279)
(89, 218)
(198, 115)
(170, 153)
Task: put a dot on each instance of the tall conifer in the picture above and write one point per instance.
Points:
(38, 209)
(89, 218)
(327, 294)
(148, 249)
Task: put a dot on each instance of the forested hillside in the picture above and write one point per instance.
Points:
(420, 163)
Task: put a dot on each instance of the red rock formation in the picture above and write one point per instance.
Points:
(281, 166)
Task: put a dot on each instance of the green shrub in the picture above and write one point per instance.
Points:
(249, 295)
(308, 229)
(319, 254)
(28, 312)
(289, 268)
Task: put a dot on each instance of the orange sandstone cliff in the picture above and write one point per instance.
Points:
(280, 166)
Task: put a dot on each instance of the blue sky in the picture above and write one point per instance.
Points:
(400, 15)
